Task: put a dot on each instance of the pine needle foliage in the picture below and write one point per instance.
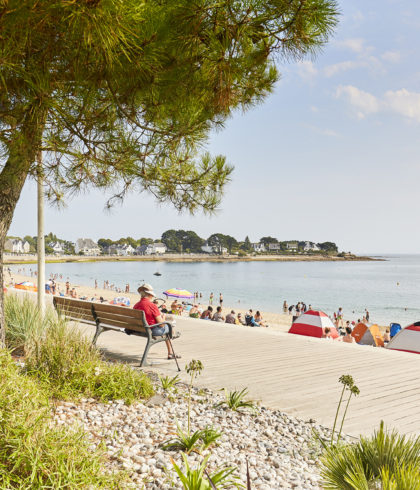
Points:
(127, 90)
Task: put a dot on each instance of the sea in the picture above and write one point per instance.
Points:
(388, 288)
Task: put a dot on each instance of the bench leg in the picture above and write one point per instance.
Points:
(146, 351)
(98, 332)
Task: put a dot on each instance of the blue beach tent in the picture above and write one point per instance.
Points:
(394, 329)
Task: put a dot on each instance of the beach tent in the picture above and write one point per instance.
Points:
(407, 339)
(368, 335)
(394, 329)
(312, 324)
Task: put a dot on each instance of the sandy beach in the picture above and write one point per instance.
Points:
(276, 321)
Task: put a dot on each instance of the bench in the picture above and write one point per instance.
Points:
(106, 317)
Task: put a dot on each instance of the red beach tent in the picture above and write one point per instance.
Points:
(407, 339)
(312, 324)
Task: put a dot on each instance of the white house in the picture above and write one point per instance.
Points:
(206, 248)
(311, 247)
(57, 247)
(151, 249)
(17, 246)
(121, 250)
(274, 247)
(213, 249)
(26, 247)
(258, 247)
(293, 246)
(86, 246)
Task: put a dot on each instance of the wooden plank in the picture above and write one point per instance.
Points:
(117, 317)
(119, 310)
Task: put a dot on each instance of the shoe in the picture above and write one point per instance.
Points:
(176, 335)
(171, 356)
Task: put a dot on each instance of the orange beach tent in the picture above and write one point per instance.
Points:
(368, 335)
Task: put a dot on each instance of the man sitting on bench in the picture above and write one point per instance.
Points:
(153, 315)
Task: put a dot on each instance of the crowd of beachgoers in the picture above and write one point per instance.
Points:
(197, 307)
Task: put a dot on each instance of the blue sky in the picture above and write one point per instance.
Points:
(332, 155)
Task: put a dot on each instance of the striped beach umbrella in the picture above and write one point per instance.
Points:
(313, 324)
(178, 293)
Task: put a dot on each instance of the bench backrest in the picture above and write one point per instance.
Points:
(104, 314)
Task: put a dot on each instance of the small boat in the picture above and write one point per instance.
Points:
(157, 274)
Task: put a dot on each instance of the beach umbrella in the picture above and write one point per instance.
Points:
(178, 293)
(313, 324)
(121, 301)
(27, 286)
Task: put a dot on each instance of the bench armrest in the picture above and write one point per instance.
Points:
(164, 323)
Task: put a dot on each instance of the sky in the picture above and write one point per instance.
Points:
(332, 155)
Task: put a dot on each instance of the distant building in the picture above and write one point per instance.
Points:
(86, 246)
(311, 247)
(258, 247)
(57, 247)
(17, 246)
(273, 247)
(151, 249)
(206, 248)
(120, 250)
(292, 246)
(213, 249)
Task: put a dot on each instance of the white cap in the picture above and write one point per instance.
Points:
(146, 288)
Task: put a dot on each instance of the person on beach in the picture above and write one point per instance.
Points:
(153, 315)
(194, 313)
(239, 320)
(285, 307)
(211, 298)
(67, 288)
(230, 317)
(220, 299)
(348, 337)
(367, 316)
(207, 314)
(259, 319)
(327, 334)
(218, 317)
(340, 317)
(387, 337)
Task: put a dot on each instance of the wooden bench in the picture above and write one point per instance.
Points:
(109, 317)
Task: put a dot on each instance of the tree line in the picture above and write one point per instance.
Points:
(183, 241)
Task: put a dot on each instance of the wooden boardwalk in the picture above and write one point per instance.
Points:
(295, 374)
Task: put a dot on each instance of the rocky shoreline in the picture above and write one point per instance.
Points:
(281, 450)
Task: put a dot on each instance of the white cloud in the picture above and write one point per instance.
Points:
(307, 70)
(391, 56)
(357, 45)
(401, 102)
(332, 70)
(404, 102)
(364, 102)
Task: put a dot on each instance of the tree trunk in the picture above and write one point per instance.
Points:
(22, 151)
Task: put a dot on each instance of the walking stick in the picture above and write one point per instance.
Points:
(173, 352)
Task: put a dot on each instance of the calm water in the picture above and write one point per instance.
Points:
(389, 289)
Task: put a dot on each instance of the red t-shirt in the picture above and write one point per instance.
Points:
(151, 311)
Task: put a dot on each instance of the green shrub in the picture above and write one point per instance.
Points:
(22, 322)
(385, 460)
(66, 362)
(235, 400)
(33, 452)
